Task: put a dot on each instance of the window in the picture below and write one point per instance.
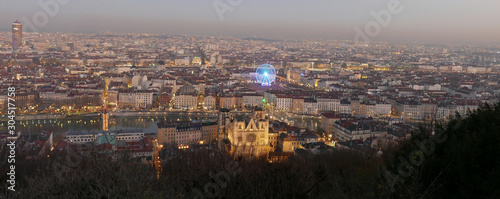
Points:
(251, 138)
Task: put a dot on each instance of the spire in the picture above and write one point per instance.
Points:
(105, 116)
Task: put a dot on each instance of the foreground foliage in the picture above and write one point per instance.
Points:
(465, 163)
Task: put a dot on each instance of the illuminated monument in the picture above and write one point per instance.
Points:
(105, 116)
(17, 35)
(265, 74)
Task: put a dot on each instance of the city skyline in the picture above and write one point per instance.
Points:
(249, 99)
(418, 21)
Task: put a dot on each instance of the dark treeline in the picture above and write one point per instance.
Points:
(458, 160)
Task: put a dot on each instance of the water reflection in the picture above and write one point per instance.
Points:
(92, 123)
(308, 122)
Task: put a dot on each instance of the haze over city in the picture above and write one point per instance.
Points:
(420, 21)
(273, 99)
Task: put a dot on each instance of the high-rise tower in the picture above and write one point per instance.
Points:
(17, 35)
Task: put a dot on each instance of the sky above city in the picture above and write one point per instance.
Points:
(468, 21)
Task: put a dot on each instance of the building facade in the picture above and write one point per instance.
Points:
(174, 134)
(17, 35)
(248, 135)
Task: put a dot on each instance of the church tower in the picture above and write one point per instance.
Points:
(224, 117)
(105, 116)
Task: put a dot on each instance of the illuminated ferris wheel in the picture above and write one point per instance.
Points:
(265, 74)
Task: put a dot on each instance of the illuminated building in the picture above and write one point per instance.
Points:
(17, 35)
(201, 102)
(245, 135)
(105, 116)
(183, 133)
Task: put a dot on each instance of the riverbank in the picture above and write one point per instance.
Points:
(111, 115)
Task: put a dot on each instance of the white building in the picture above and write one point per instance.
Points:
(328, 104)
(252, 100)
(383, 109)
(413, 112)
(54, 95)
(129, 135)
(186, 101)
(188, 135)
(139, 82)
(80, 137)
(210, 102)
(325, 83)
(137, 99)
(310, 106)
(345, 132)
(284, 103)
(371, 110)
(345, 108)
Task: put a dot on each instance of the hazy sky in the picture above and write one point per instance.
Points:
(420, 20)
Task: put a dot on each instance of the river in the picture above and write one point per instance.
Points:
(92, 123)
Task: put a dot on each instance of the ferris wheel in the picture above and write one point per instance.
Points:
(265, 74)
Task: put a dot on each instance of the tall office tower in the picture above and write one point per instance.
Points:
(17, 35)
